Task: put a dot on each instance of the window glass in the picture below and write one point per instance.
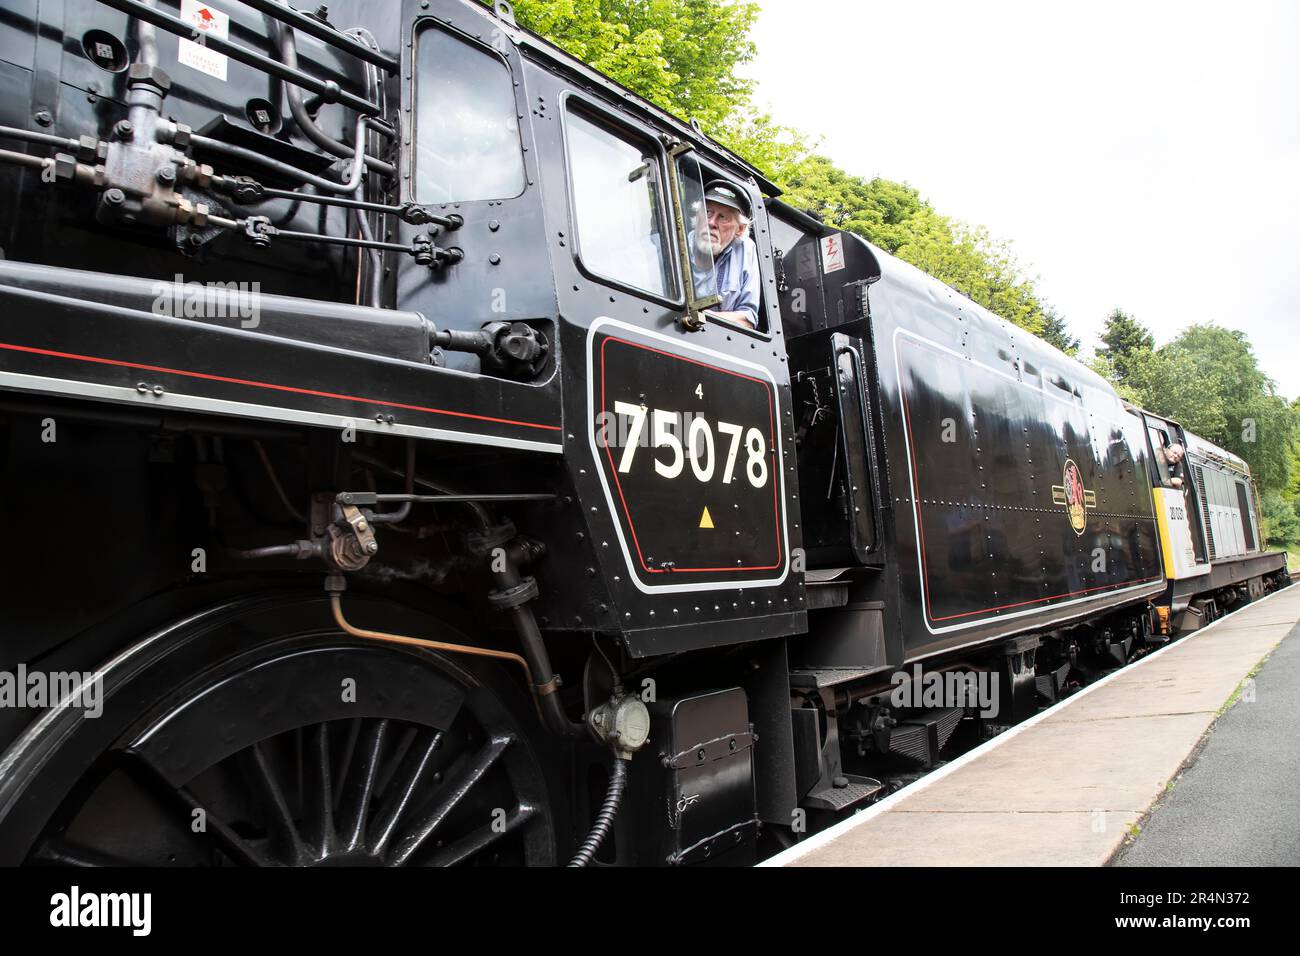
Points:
(467, 130)
(1158, 442)
(690, 179)
(618, 203)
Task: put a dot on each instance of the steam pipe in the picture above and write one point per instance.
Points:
(289, 57)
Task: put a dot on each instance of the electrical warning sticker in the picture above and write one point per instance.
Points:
(832, 253)
(207, 22)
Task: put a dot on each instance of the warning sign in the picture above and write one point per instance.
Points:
(832, 253)
(208, 22)
(706, 520)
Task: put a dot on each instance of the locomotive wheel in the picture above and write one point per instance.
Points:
(255, 734)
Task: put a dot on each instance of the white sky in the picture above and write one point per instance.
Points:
(1137, 154)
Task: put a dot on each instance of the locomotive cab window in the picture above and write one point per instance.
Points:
(466, 126)
(618, 207)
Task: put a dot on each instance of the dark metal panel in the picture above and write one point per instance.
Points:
(47, 340)
(768, 689)
(18, 21)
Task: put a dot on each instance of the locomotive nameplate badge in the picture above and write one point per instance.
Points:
(1076, 499)
(687, 444)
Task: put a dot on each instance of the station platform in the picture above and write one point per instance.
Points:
(1070, 786)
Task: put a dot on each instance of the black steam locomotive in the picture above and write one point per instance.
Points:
(400, 501)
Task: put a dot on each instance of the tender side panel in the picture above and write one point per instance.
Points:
(1021, 501)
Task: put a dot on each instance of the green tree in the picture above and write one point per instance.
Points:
(1056, 333)
(1281, 525)
(679, 54)
(1127, 346)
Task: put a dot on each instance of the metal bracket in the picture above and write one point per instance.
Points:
(504, 11)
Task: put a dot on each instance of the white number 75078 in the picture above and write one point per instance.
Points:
(699, 444)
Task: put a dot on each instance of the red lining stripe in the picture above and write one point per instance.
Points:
(269, 385)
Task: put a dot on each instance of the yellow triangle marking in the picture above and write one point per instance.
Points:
(705, 520)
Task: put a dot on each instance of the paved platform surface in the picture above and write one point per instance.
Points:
(1066, 787)
(1237, 804)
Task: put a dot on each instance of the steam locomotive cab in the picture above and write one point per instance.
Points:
(411, 307)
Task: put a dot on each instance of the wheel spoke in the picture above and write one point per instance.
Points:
(356, 805)
(279, 821)
(420, 829)
(464, 848)
(399, 802)
(318, 795)
(185, 802)
(57, 851)
(345, 764)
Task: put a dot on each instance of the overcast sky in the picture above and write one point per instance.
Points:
(1137, 154)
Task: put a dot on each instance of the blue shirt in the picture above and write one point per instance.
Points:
(738, 280)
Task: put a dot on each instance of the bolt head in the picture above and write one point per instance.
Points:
(44, 117)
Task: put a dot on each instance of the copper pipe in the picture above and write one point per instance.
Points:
(336, 605)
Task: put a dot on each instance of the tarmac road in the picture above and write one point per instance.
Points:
(1238, 804)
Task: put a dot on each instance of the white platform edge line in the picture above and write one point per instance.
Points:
(819, 840)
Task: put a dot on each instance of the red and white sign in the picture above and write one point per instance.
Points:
(832, 253)
(211, 23)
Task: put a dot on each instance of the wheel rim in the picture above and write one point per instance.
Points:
(312, 749)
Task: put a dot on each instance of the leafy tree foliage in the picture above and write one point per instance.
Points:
(679, 54)
(1281, 525)
(1056, 333)
(1127, 343)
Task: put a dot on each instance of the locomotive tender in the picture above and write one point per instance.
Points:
(406, 506)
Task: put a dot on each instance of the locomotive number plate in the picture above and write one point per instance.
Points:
(688, 448)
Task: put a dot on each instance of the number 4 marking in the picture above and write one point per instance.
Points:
(699, 390)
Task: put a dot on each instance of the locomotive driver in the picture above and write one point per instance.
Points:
(735, 257)
(1174, 454)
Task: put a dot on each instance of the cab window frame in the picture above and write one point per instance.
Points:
(630, 131)
(410, 190)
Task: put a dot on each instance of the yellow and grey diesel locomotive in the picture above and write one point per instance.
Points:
(406, 494)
